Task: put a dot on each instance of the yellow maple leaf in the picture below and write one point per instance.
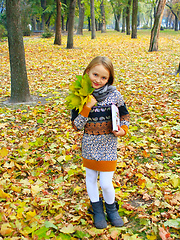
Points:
(3, 194)
(6, 229)
(30, 214)
(151, 237)
(3, 152)
(16, 188)
(35, 190)
(68, 229)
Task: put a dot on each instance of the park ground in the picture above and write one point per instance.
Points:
(42, 180)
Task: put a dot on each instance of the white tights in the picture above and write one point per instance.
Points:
(105, 183)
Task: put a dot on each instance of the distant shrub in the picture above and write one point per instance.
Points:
(145, 26)
(47, 33)
(3, 32)
(162, 28)
(26, 32)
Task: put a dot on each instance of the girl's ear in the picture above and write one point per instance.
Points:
(87, 71)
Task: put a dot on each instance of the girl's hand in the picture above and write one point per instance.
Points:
(92, 101)
(119, 133)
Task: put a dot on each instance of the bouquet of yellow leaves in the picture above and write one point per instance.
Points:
(79, 93)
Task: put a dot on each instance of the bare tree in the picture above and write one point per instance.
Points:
(58, 23)
(156, 27)
(19, 81)
(93, 25)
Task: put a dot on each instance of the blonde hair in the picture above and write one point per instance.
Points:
(106, 62)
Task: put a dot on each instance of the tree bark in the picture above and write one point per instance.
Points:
(19, 81)
(128, 18)
(81, 18)
(43, 5)
(123, 20)
(71, 23)
(156, 27)
(89, 24)
(62, 19)
(103, 23)
(93, 25)
(58, 23)
(117, 21)
(134, 19)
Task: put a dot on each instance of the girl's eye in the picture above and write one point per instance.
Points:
(104, 78)
(95, 74)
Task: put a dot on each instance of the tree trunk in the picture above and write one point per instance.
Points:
(96, 25)
(81, 18)
(43, 5)
(58, 23)
(93, 26)
(176, 23)
(134, 19)
(62, 19)
(67, 22)
(89, 24)
(33, 23)
(103, 24)
(176, 17)
(156, 27)
(117, 21)
(19, 81)
(128, 8)
(123, 20)
(71, 23)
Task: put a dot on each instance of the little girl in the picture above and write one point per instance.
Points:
(99, 143)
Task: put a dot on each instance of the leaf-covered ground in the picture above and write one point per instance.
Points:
(42, 180)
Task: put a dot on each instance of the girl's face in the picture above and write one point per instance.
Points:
(99, 76)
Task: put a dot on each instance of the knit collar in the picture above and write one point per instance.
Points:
(101, 93)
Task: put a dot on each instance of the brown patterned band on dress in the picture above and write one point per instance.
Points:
(98, 128)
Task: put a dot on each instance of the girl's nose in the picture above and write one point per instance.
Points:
(98, 79)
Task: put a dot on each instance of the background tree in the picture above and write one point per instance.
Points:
(175, 9)
(134, 18)
(123, 20)
(19, 82)
(93, 29)
(103, 23)
(43, 5)
(72, 6)
(128, 11)
(58, 23)
(156, 27)
(117, 9)
(81, 17)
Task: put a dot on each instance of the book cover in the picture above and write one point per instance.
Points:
(115, 117)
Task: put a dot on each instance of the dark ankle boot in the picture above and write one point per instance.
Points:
(98, 214)
(113, 215)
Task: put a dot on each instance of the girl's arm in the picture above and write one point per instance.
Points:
(80, 120)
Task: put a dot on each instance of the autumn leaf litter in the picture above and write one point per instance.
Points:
(42, 180)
